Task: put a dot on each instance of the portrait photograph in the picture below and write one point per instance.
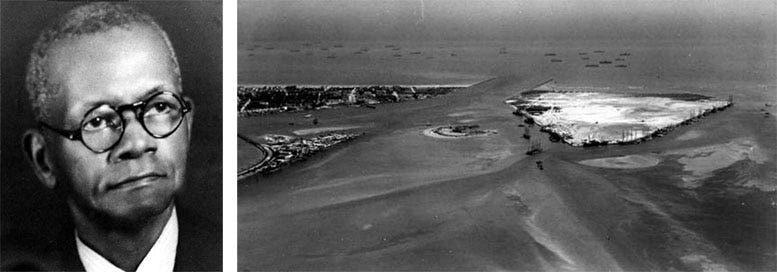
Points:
(112, 135)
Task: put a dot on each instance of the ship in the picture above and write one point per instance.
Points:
(605, 62)
(550, 54)
(592, 65)
(556, 60)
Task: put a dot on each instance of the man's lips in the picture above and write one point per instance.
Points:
(136, 179)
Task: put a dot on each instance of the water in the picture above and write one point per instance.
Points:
(397, 197)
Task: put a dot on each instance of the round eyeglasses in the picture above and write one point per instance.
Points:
(103, 126)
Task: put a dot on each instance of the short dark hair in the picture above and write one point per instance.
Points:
(83, 20)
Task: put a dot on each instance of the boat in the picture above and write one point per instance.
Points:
(621, 66)
(592, 65)
(550, 54)
(556, 60)
(332, 56)
(535, 147)
(605, 62)
(598, 51)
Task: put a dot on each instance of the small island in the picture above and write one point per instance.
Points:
(457, 131)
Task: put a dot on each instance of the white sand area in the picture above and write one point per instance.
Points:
(612, 118)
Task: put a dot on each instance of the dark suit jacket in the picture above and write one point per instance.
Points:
(199, 248)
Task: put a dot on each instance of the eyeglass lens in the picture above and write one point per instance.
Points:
(103, 127)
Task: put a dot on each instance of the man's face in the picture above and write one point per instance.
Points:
(140, 174)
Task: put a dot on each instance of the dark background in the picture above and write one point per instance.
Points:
(28, 210)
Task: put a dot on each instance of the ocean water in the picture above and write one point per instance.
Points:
(651, 63)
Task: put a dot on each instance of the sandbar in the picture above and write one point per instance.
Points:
(624, 162)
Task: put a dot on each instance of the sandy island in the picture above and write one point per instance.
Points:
(455, 132)
(582, 118)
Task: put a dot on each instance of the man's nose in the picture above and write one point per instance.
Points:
(135, 142)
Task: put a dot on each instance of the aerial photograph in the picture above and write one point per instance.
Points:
(452, 135)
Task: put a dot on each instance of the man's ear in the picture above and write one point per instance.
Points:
(39, 156)
(190, 115)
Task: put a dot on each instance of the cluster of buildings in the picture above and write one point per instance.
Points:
(285, 150)
(258, 100)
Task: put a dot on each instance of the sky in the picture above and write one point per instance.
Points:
(441, 20)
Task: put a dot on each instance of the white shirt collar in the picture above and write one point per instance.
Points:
(161, 257)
